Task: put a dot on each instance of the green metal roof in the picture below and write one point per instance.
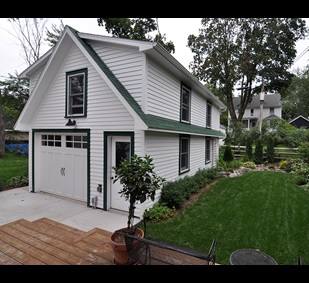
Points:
(152, 121)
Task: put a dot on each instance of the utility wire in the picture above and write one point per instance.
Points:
(301, 54)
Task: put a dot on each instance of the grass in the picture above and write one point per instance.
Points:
(259, 210)
(12, 165)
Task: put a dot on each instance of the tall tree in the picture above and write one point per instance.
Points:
(29, 32)
(14, 95)
(242, 53)
(296, 100)
(53, 36)
(136, 28)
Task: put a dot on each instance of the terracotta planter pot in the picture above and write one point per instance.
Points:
(118, 245)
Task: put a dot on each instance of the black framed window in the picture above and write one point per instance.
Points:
(208, 114)
(76, 93)
(184, 154)
(207, 149)
(185, 107)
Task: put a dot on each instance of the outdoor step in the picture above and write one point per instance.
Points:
(59, 225)
(78, 254)
(12, 238)
(45, 241)
(58, 230)
(14, 256)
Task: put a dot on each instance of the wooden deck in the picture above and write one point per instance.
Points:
(47, 242)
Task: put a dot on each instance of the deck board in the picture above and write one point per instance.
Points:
(48, 242)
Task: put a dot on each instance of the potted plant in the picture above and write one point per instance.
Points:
(140, 182)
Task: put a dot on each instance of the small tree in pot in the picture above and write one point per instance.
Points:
(139, 181)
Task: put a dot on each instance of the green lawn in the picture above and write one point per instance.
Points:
(12, 165)
(259, 210)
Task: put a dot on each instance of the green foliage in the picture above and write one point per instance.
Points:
(175, 193)
(136, 28)
(270, 149)
(18, 181)
(249, 164)
(236, 210)
(12, 165)
(249, 150)
(296, 99)
(258, 153)
(139, 181)
(15, 93)
(250, 49)
(52, 37)
(303, 149)
(228, 155)
(283, 164)
(238, 133)
(158, 212)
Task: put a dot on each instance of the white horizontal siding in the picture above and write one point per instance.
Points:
(33, 81)
(215, 118)
(198, 110)
(164, 149)
(104, 113)
(163, 93)
(126, 65)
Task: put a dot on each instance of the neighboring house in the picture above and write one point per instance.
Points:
(96, 99)
(300, 121)
(272, 110)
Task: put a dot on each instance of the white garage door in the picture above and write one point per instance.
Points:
(63, 165)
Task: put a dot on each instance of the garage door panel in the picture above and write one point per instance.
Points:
(63, 166)
(80, 180)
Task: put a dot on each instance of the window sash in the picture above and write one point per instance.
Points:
(208, 115)
(76, 90)
(207, 149)
(185, 104)
(184, 154)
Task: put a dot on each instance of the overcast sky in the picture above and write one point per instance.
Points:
(176, 30)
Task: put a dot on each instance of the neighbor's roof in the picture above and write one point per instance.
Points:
(270, 100)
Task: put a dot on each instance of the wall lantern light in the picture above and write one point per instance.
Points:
(71, 123)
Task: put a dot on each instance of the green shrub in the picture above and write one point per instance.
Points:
(270, 149)
(172, 194)
(249, 151)
(303, 150)
(283, 164)
(228, 155)
(158, 213)
(249, 164)
(175, 193)
(258, 153)
(18, 181)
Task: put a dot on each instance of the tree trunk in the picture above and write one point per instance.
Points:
(2, 132)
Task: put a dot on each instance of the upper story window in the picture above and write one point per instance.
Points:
(185, 104)
(252, 112)
(76, 93)
(208, 115)
(271, 110)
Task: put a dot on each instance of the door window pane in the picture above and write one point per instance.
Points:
(122, 152)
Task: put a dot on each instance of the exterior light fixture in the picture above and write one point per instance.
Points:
(71, 123)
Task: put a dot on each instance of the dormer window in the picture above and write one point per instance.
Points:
(76, 90)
